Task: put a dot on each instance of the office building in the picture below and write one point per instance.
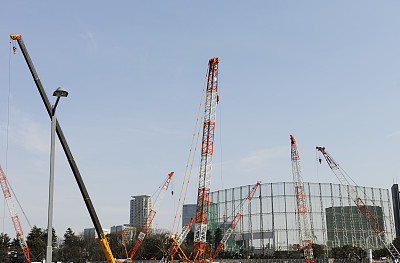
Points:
(140, 207)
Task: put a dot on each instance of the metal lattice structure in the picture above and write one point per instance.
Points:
(203, 193)
(14, 216)
(235, 221)
(302, 213)
(353, 194)
(179, 239)
(152, 214)
(269, 221)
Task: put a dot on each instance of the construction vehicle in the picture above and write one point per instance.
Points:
(235, 221)
(14, 216)
(71, 160)
(176, 248)
(352, 190)
(151, 215)
(177, 241)
(305, 233)
(203, 194)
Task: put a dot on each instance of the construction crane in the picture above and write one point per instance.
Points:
(151, 215)
(71, 160)
(176, 242)
(305, 233)
(14, 216)
(345, 180)
(203, 193)
(235, 221)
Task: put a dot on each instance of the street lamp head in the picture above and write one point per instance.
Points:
(60, 92)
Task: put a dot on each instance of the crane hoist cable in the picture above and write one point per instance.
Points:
(14, 48)
(8, 124)
(236, 219)
(203, 190)
(14, 216)
(352, 190)
(147, 225)
(190, 173)
(187, 165)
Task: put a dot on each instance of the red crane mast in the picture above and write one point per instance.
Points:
(14, 215)
(203, 194)
(305, 233)
(345, 179)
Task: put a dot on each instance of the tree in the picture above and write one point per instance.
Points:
(53, 237)
(348, 251)
(71, 249)
(116, 245)
(4, 247)
(36, 243)
(217, 237)
(15, 250)
(152, 247)
(91, 248)
(318, 251)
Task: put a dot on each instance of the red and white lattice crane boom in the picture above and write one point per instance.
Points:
(235, 221)
(150, 217)
(14, 215)
(203, 193)
(345, 180)
(302, 214)
(180, 238)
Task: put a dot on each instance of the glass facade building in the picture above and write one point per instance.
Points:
(269, 222)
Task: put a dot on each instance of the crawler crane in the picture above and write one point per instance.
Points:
(345, 179)
(203, 193)
(176, 242)
(235, 221)
(151, 215)
(14, 216)
(305, 233)
(68, 153)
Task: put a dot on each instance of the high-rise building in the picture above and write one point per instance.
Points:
(346, 225)
(396, 208)
(140, 208)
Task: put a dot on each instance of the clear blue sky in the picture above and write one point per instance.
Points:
(327, 72)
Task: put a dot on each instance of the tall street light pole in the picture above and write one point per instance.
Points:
(60, 92)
